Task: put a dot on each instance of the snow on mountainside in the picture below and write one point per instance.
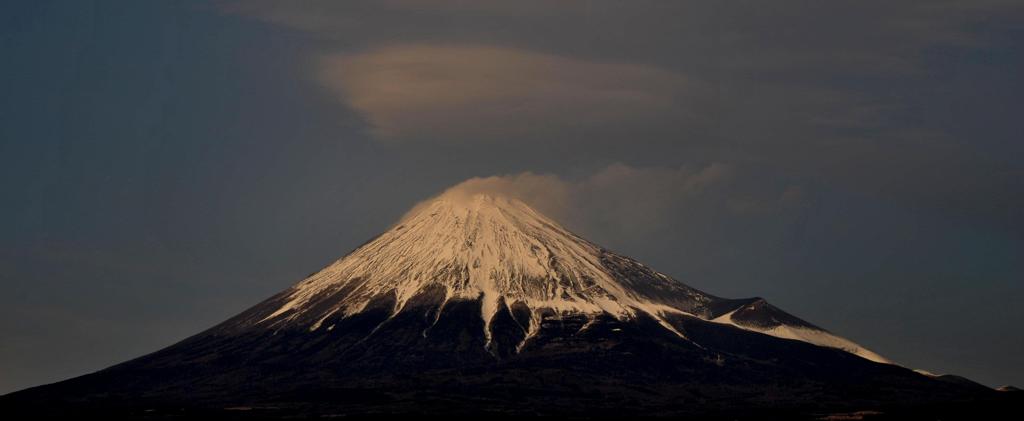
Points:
(501, 251)
(765, 321)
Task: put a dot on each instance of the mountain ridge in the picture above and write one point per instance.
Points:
(479, 304)
(500, 249)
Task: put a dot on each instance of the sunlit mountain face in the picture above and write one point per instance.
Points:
(476, 303)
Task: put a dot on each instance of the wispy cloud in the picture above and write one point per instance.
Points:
(848, 94)
(624, 202)
(484, 93)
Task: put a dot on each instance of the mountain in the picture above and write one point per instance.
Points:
(502, 253)
(477, 303)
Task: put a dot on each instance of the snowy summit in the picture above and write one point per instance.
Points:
(490, 247)
(474, 297)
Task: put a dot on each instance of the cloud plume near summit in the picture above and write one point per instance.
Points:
(624, 202)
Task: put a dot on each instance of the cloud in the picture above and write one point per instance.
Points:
(785, 35)
(620, 203)
(545, 191)
(897, 101)
(484, 94)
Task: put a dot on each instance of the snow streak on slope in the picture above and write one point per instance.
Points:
(811, 335)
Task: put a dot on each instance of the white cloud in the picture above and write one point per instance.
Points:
(615, 199)
(486, 93)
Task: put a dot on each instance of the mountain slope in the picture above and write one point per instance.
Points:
(500, 250)
(759, 316)
(477, 303)
(485, 246)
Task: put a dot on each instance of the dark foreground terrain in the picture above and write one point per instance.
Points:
(428, 360)
(995, 408)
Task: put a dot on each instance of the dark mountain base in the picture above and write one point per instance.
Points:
(1008, 406)
(429, 360)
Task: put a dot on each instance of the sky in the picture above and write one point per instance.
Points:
(165, 165)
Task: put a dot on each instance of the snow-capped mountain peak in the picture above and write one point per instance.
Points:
(470, 245)
(470, 299)
(485, 246)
